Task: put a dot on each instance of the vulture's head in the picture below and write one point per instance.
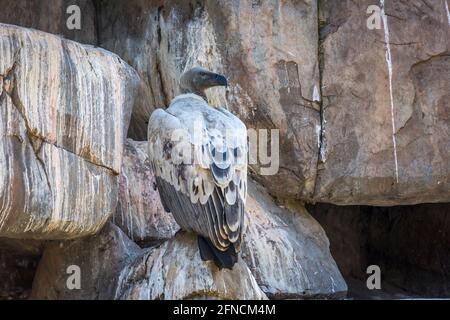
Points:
(197, 80)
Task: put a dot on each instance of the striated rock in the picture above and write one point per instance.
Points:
(100, 259)
(410, 244)
(288, 252)
(52, 16)
(269, 58)
(175, 271)
(64, 114)
(360, 161)
(140, 213)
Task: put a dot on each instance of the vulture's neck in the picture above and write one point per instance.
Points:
(200, 93)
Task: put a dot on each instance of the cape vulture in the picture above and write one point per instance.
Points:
(199, 156)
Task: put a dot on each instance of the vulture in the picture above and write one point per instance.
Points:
(199, 157)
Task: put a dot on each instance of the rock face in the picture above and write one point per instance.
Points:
(140, 213)
(288, 252)
(410, 244)
(274, 76)
(114, 267)
(100, 259)
(284, 255)
(370, 103)
(18, 263)
(363, 119)
(175, 271)
(52, 16)
(64, 114)
(278, 77)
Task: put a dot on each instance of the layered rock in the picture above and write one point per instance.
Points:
(385, 110)
(64, 114)
(140, 213)
(288, 251)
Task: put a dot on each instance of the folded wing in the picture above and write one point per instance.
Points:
(199, 155)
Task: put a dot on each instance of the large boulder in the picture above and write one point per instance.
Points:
(382, 87)
(64, 114)
(113, 267)
(140, 213)
(100, 258)
(288, 251)
(175, 271)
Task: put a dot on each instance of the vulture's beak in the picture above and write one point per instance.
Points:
(217, 80)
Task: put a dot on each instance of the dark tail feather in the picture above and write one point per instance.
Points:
(222, 259)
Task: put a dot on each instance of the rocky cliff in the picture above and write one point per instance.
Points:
(362, 115)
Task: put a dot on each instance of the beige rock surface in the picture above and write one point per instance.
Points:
(175, 271)
(288, 251)
(269, 58)
(360, 162)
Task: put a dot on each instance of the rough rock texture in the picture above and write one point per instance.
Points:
(51, 16)
(114, 267)
(18, 263)
(100, 258)
(411, 244)
(362, 100)
(279, 69)
(269, 57)
(64, 114)
(140, 213)
(288, 252)
(175, 270)
(363, 118)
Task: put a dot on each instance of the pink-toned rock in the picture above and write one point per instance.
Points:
(269, 58)
(140, 213)
(362, 101)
